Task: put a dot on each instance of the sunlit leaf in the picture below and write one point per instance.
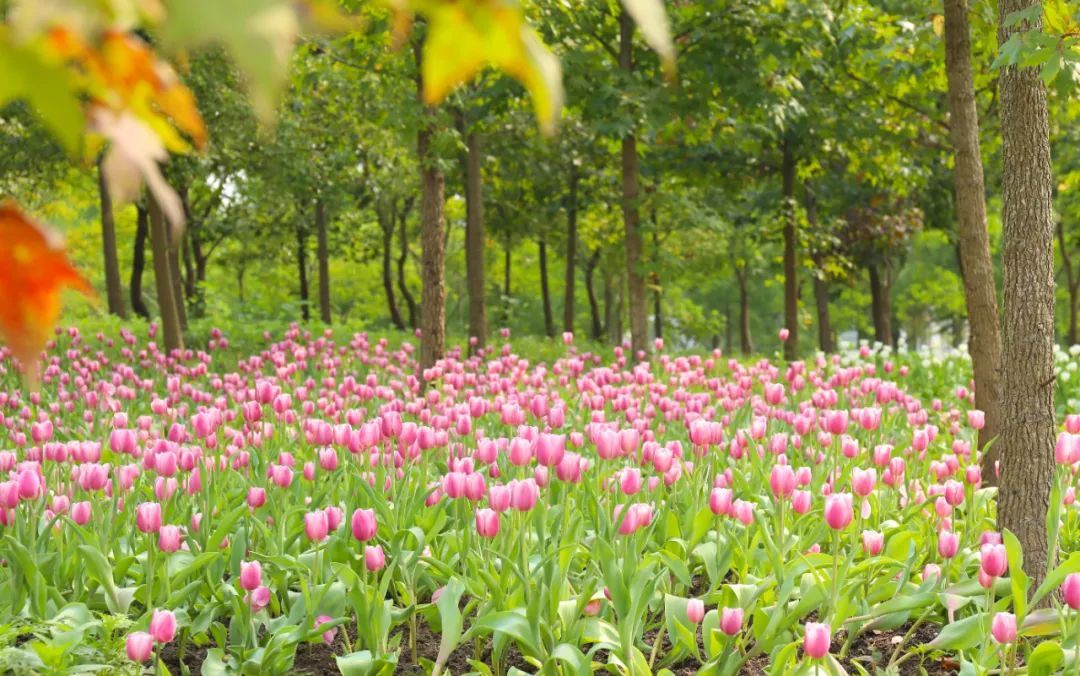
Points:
(27, 73)
(133, 158)
(650, 17)
(33, 270)
(258, 34)
(465, 37)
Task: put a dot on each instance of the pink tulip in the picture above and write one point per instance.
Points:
(487, 523)
(783, 334)
(862, 481)
(801, 501)
(328, 635)
(838, 510)
(374, 558)
(139, 646)
(743, 511)
(873, 542)
(80, 513)
(169, 538)
(720, 501)
(948, 544)
(695, 610)
(1003, 628)
(148, 517)
(1070, 591)
(977, 419)
(731, 620)
(256, 497)
(250, 575)
(782, 481)
(364, 525)
(817, 639)
(258, 598)
(993, 559)
(954, 492)
(163, 626)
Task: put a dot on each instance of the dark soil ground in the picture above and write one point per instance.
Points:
(870, 650)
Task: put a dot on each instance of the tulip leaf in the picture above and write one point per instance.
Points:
(962, 635)
(1018, 579)
(452, 622)
(1047, 658)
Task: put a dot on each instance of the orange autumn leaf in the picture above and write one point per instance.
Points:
(33, 270)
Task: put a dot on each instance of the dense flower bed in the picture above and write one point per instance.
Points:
(686, 512)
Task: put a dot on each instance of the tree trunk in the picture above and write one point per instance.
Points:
(821, 286)
(746, 341)
(658, 290)
(729, 328)
(190, 285)
(1026, 444)
(324, 261)
(432, 237)
(791, 279)
(138, 262)
(506, 283)
(980, 291)
(173, 244)
(590, 290)
(545, 291)
(1071, 282)
(163, 271)
(410, 302)
(114, 290)
(571, 250)
(474, 241)
(301, 270)
(386, 223)
(880, 303)
(201, 259)
(639, 325)
(609, 305)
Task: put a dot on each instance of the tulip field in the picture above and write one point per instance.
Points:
(311, 503)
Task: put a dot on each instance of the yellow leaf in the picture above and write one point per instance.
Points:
(650, 17)
(938, 23)
(464, 37)
(33, 271)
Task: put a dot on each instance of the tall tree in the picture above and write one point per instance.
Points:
(791, 271)
(138, 261)
(432, 235)
(114, 291)
(980, 291)
(474, 237)
(631, 189)
(323, 253)
(571, 246)
(163, 277)
(1027, 396)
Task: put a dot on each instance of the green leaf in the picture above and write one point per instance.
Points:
(511, 623)
(1056, 577)
(47, 86)
(1046, 659)
(1018, 579)
(450, 615)
(962, 635)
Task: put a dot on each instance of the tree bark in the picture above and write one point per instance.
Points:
(172, 242)
(654, 280)
(301, 270)
(821, 285)
(114, 290)
(791, 279)
(746, 341)
(386, 223)
(163, 271)
(881, 303)
(980, 291)
(506, 282)
(545, 291)
(138, 262)
(324, 261)
(410, 301)
(639, 325)
(1072, 282)
(571, 249)
(432, 236)
(590, 290)
(474, 240)
(190, 286)
(1026, 444)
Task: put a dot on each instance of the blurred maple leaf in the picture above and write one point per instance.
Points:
(34, 268)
